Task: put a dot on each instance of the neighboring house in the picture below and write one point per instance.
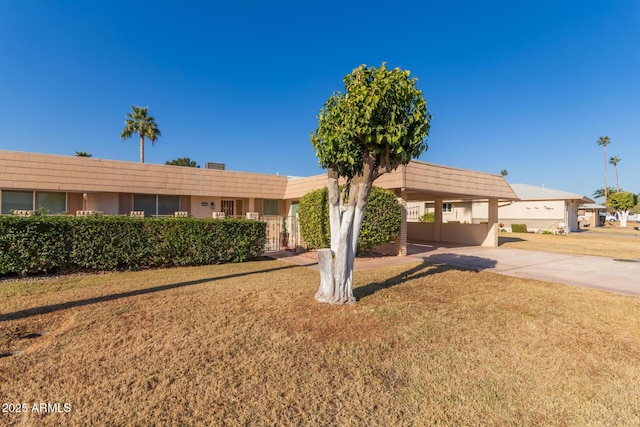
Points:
(539, 208)
(589, 215)
(81, 185)
(542, 208)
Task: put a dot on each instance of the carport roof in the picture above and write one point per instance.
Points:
(424, 181)
(427, 179)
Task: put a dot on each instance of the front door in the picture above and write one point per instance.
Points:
(226, 206)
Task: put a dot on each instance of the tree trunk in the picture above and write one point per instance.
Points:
(336, 264)
(141, 149)
(606, 190)
(623, 216)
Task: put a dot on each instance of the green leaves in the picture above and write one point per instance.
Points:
(46, 244)
(622, 201)
(380, 107)
(142, 123)
(382, 219)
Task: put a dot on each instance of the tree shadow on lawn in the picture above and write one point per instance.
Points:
(431, 265)
(21, 314)
(503, 240)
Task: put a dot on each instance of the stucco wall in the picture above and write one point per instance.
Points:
(465, 234)
(199, 211)
(536, 213)
(420, 231)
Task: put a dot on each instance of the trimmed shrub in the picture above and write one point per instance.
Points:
(34, 244)
(382, 219)
(428, 217)
(518, 228)
(46, 244)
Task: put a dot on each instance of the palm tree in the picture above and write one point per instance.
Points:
(614, 160)
(83, 154)
(144, 125)
(504, 172)
(600, 192)
(604, 141)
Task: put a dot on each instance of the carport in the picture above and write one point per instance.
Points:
(429, 182)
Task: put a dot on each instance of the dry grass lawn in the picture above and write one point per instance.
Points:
(614, 243)
(246, 344)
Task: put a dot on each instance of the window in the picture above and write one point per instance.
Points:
(168, 205)
(447, 207)
(270, 207)
(153, 204)
(145, 202)
(16, 200)
(54, 203)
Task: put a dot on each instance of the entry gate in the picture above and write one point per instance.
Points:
(283, 232)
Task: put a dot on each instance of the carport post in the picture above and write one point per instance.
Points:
(492, 225)
(437, 224)
(401, 241)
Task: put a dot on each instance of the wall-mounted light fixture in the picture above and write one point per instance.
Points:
(213, 206)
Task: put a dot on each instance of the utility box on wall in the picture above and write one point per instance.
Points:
(218, 166)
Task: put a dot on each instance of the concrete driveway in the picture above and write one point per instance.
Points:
(578, 270)
(581, 270)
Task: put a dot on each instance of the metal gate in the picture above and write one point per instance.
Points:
(283, 232)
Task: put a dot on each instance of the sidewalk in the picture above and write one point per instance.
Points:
(578, 270)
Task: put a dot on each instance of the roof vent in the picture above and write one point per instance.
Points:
(218, 166)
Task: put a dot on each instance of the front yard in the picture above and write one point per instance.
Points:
(246, 344)
(610, 242)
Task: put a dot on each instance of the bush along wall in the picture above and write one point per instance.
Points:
(382, 219)
(61, 244)
(518, 228)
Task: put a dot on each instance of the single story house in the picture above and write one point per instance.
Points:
(74, 185)
(539, 208)
(542, 208)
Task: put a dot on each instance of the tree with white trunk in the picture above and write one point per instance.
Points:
(622, 202)
(380, 122)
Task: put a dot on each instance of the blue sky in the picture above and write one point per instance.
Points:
(527, 86)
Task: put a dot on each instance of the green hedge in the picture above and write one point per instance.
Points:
(382, 219)
(60, 244)
(518, 228)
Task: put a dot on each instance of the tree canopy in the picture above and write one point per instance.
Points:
(381, 120)
(182, 161)
(599, 193)
(143, 124)
(614, 160)
(622, 202)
